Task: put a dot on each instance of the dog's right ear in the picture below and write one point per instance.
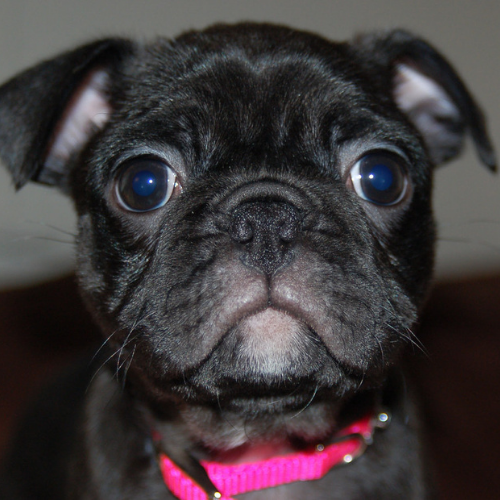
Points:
(48, 113)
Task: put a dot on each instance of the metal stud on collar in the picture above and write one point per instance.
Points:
(383, 419)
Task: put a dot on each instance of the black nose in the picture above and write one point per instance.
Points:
(267, 231)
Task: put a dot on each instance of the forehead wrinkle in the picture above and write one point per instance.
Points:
(247, 106)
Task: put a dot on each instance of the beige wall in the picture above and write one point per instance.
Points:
(34, 243)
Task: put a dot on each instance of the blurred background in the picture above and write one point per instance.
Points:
(43, 325)
(36, 224)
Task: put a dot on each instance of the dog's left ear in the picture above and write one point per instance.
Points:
(429, 91)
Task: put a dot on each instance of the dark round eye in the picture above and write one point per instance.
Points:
(145, 184)
(380, 178)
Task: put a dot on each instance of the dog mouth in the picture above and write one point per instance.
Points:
(271, 340)
(268, 334)
(273, 353)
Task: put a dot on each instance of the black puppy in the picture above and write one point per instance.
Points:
(255, 239)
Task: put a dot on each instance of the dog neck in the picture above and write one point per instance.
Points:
(193, 461)
(215, 480)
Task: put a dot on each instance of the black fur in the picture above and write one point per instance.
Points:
(265, 301)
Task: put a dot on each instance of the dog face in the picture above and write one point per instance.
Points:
(255, 226)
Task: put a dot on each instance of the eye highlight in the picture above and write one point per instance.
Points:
(380, 178)
(145, 184)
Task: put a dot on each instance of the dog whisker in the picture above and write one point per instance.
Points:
(362, 380)
(105, 362)
(32, 237)
(476, 242)
(469, 222)
(118, 352)
(224, 414)
(415, 340)
(51, 226)
(411, 337)
(126, 342)
(103, 344)
(380, 347)
(129, 362)
(309, 403)
(98, 370)
(53, 240)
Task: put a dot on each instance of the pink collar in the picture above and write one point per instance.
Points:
(307, 465)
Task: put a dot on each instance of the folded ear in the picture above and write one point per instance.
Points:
(49, 112)
(432, 95)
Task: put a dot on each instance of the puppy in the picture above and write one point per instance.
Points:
(255, 240)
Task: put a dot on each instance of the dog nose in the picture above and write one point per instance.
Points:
(267, 232)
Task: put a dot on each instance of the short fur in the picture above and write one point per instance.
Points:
(266, 302)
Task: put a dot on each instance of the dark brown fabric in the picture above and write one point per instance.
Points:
(459, 382)
(44, 327)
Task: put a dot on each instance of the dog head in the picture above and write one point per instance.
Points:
(255, 222)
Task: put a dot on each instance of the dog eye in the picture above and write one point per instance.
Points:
(380, 178)
(145, 184)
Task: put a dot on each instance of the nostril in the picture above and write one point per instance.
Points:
(241, 229)
(289, 228)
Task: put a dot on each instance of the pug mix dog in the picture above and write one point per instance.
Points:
(255, 240)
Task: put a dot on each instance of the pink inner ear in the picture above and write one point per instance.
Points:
(432, 111)
(416, 92)
(87, 111)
